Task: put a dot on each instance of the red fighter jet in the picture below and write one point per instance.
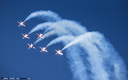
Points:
(40, 35)
(21, 23)
(43, 49)
(25, 36)
(31, 46)
(59, 52)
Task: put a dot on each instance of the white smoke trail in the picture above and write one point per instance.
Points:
(41, 26)
(72, 27)
(45, 15)
(59, 27)
(96, 61)
(76, 63)
(105, 63)
(60, 31)
(93, 62)
(59, 39)
(111, 58)
(78, 39)
(97, 56)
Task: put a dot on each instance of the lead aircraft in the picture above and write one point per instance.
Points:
(21, 23)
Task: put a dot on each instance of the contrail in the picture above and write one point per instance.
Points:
(86, 51)
(45, 15)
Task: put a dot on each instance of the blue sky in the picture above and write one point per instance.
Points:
(108, 17)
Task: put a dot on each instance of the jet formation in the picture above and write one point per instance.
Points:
(39, 35)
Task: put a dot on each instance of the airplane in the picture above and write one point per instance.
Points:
(31, 46)
(58, 52)
(40, 35)
(21, 23)
(25, 36)
(43, 49)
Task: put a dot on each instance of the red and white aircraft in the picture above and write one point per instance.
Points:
(25, 36)
(40, 35)
(31, 46)
(21, 23)
(59, 52)
(43, 49)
